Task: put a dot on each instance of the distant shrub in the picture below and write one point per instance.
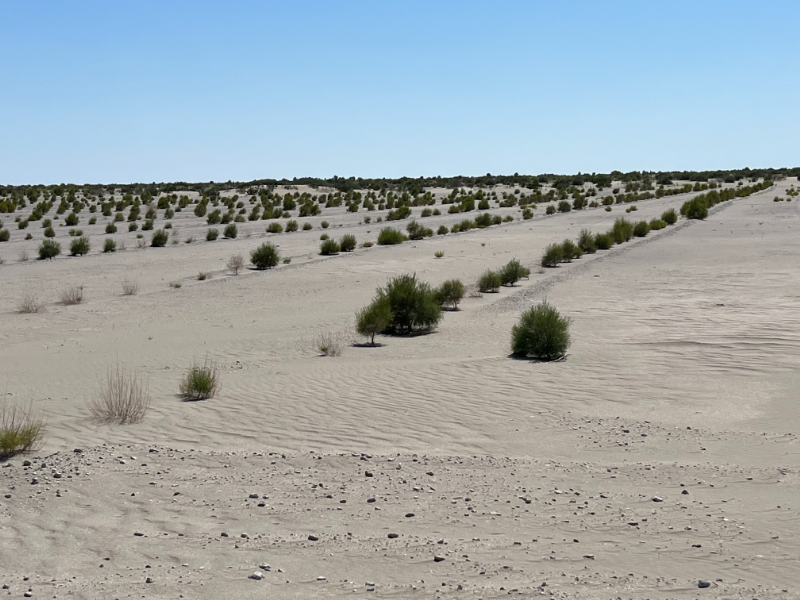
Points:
(564, 206)
(130, 288)
(291, 226)
(695, 209)
(586, 242)
(442, 230)
(201, 382)
(450, 293)
(551, 210)
(159, 239)
(413, 303)
(212, 234)
(417, 231)
(513, 271)
(541, 333)
(324, 224)
(49, 249)
(147, 225)
(570, 250)
(621, 231)
(109, 245)
(329, 247)
(374, 318)
(426, 212)
(30, 304)
(389, 237)
(489, 281)
(5, 235)
(265, 256)
(324, 237)
(307, 226)
(608, 209)
(553, 255)
(123, 398)
(230, 231)
(670, 217)
(657, 224)
(111, 228)
(603, 241)
(235, 263)
(439, 253)
(79, 246)
(71, 220)
(71, 296)
(20, 431)
(49, 233)
(641, 229)
(348, 243)
(274, 228)
(527, 214)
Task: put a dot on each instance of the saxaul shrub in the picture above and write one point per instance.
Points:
(307, 226)
(49, 232)
(413, 303)
(389, 236)
(291, 226)
(657, 224)
(512, 272)
(230, 231)
(111, 228)
(621, 231)
(553, 254)
(329, 247)
(570, 251)
(212, 234)
(586, 242)
(603, 241)
(109, 245)
(79, 246)
(450, 293)
(265, 256)
(159, 239)
(235, 263)
(348, 243)
(274, 228)
(49, 249)
(416, 231)
(641, 229)
(670, 217)
(201, 382)
(541, 333)
(374, 318)
(489, 282)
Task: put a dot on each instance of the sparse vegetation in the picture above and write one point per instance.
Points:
(72, 295)
(413, 304)
(21, 430)
(265, 256)
(122, 398)
(570, 251)
(389, 236)
(230, 231)
(374, 318)
(201, 382)
(329, 247)
(541, 333)
(586, 242)
(348, 243)
(159, 239)
(450, 293)
(235, 263)
(489, 281)
(30, 304)
(212, 234)
(512, 272)
(49, 249)
(79, 246)
(439, 254)
(670, 217)
(553, 255)
(130, 288)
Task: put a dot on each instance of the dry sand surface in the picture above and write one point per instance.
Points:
(663, 451)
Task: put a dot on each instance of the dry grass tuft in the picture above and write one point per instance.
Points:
(20, 430)
(23, 256)
(30, 304)
(123, 398)
(332, 343)
(236, 263)
(130, 288)
(73, 295)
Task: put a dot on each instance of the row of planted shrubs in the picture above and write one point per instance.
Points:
(697, 207)
(589, 243)
(415, 231)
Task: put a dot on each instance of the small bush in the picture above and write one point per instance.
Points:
(490, 281)
(608, 209)
(122, 398)
(111, 228)
(551, 210)
(236, 263)
(49, 249)
(79, 246)
(130, 288)
(109, 245)
(329, 247)
(621, 231)
(30, 304)
(450, 293)
(553, 255)
(367, 245)
(389, 237)
(413, 303)
(324, 224)
(291, 226)
(527, 214)
(71, 220)
(442, 230)
(417, 231)
(49, 232)
(513, 271)
(670, 217)
(374, 318)
(330, 343)
(201, 382)
(564, 206)
(695, 209)
(212, 234)
(133, 227)
(5, 235)
(348, 243)
(274, 228)
(159, 239)
(439, 254)
(202, 276)
(541, 333)
(570, 250)
(641, 229)
(307, 226)
(324, 237)
(586, 242)
(603, 241)
(20, 431)
(657, 224)
(71, 296)
(230, 231)
(265, 256)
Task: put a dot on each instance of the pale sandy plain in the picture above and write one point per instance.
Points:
(528, 479)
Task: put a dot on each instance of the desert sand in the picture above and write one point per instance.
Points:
(661, 452)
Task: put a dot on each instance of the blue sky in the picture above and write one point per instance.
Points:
(197, 91)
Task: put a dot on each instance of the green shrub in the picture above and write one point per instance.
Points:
(324, 237)
(696, 208)
(442, 230)
(201, 382)
(670, 217)
(329, 247)
(5, 234)
(49, 232)
(603, 241)
(49, 249)
(71, 220)
(553, 255)
(230, 231)
(111, 228)
(109, 245)
(551, 210)
(621, 231)
(265, 256)
(450, 293)
(586, 242)
(348, 243)
(22, 224)
(274, 228)
(324, 224)
(147, 225)
(20, 431)
(307, 226)
(657, 224)
(570, 250)
(413, 303)
(291, 226)
(512, 272)
(608, 209)
(159, 239)
(527, 213)
(79, 246)
(212, 234)
(641, 229)
(389, 237)
(439, 254)
(541, 333)
(374, 318)
(133, 226)
(564, 206)
(489, 281)
(417, 231)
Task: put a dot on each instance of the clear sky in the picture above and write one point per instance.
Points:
(118, 91)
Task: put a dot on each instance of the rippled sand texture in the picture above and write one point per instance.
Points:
(662, 451)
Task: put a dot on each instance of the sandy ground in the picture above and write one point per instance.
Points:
(663, 451)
